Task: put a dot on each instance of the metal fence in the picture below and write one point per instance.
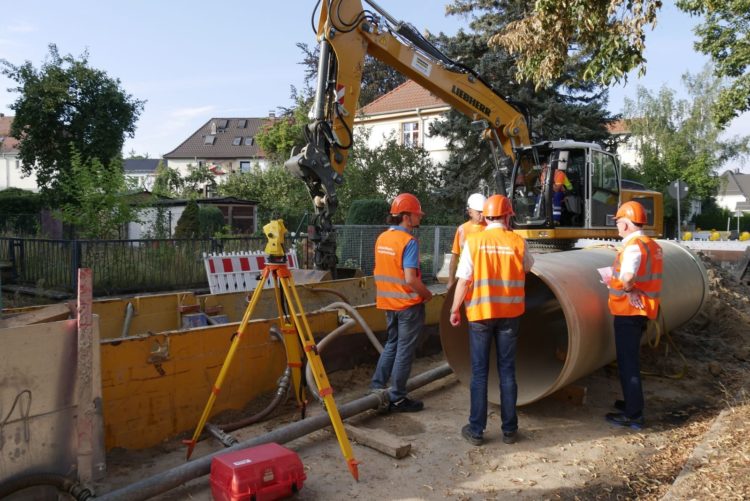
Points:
(356, 246)
(125, 266)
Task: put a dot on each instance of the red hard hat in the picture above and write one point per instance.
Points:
(406, 202)
(496, 206)
(633, 211)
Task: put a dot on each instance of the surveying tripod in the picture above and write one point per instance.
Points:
(283, 283)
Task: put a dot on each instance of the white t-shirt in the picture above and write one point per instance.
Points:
(631, 255)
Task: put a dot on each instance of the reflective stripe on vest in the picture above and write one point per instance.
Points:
(647, 279)
(392, 291)
(497, 290)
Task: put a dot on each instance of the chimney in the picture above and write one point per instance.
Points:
(272, 114)
(213, 128)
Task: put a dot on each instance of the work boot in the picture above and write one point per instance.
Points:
(470, 437)
(620, 419)
(510, 437)
(406, 405)
(620, 405)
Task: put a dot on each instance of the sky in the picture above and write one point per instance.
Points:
(191, 61)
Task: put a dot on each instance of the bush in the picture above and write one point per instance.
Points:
(19, 211)
(368, 212)
(210, 220)
(188, 225)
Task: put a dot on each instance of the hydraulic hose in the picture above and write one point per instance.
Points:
(282, 391)
(361, 321)
(335, 333)
(321, 346)
(61, 483)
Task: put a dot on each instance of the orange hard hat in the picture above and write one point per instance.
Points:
(496, 206)
(633, 211)
(406, 202)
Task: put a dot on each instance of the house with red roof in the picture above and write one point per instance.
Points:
(404, 114)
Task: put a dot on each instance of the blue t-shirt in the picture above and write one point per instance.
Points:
(411, 252)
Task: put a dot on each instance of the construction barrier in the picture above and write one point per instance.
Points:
(239, 271)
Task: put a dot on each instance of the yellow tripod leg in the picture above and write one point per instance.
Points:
(292, 348)
(319, 373)
(227, 362)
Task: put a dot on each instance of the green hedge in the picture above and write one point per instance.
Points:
(19, 211)
(368, 212)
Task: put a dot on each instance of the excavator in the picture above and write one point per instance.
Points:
(346, 33)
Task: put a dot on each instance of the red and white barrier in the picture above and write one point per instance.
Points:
(238, 271)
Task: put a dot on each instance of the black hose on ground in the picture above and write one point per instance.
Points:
(163, 482)
(61, 483)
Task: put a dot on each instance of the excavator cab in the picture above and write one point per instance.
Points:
(565, 190)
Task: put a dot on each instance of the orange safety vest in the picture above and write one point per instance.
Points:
(390, 281)
(647, 279)
(497, 290)
(560, 179)
(463, 231)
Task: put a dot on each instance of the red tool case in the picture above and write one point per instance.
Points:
(262, 473)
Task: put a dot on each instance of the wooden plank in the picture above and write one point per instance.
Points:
(51, 313)
(379, 440)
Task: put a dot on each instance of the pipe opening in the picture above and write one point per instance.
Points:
(542, 342)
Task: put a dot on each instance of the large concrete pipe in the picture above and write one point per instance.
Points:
(566, 332)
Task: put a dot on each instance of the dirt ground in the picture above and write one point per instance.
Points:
(565, 451)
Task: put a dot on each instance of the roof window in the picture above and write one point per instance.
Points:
(241, 124)
(249, 141)
(209, 139)
(237, 141)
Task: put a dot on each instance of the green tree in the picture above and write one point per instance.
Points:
(724, 36)
(168, 182)
(188, 226)
(66, 102)
(386, 171)
(210, 220)
(611, 37)
(279, 137)
(605, 37)
(278, 193)
(563, 110)
(94, 201)
(674, 139)
(199, 180)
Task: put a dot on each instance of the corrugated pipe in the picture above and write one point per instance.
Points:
(566, 332)
(177, 476)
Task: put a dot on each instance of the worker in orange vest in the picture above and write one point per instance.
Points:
(491, 280)
(402, 294)
(634, 290)
(474, 208)
(560, 184)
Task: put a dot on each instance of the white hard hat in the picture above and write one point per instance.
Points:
(476, 202)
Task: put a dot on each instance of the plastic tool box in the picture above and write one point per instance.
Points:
(262, 473)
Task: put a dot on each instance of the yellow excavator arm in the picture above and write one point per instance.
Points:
(346, 34)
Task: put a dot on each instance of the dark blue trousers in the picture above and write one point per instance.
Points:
(628, 332)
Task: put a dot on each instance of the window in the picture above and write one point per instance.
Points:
(605, 189)
(410, 134)
(209, 139)
(241, 124)
(237, 141)
(244, 166)
(249, 141)
(223, 123)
